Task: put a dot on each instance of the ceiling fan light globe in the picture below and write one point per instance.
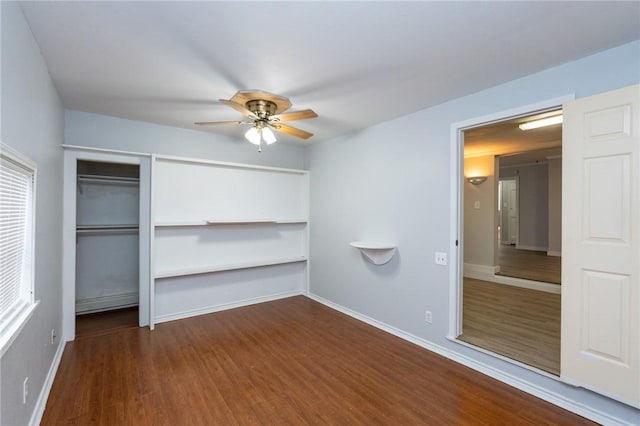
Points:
(253, 136)
(268, 136)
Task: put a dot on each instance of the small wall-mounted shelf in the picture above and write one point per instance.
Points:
(377, 253)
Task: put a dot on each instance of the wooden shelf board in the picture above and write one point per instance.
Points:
(228, 267)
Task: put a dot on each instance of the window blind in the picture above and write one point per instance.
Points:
(16, 200)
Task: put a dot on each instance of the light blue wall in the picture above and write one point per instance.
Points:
(32, 123)
(391, 182)
(99, 131)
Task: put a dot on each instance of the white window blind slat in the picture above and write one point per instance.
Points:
(16, 236)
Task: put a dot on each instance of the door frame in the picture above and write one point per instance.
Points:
(456, 179)
(71, 156)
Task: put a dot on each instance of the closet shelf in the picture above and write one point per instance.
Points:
(110, 180)
(228, 222)
(228, 267)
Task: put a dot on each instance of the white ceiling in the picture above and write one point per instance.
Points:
(354, 63)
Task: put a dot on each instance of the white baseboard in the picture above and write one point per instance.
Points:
(532, 285)
(484, 273)
(472, 268)
(225, 306)
(103, 303)
(41, 403)
(532, 248)
(516, 382)
(554, 253)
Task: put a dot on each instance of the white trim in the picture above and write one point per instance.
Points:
(105, 303)
(177, 159)
(516, 282)
(225, 306)
(16, 325)
(511, 380)
(152, 238)
(41, 403)
(484, 270)
(554, 253)
(455, 236)
(18, 157)
(14, 320)
(530, 248)
(105, 151)
(71, 155)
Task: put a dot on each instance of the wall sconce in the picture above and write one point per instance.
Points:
(476, 180)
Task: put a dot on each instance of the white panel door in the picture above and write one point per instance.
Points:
(509, 212)
(601, 244)
(513, 212)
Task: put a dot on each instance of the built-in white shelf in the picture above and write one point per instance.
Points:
(203, 226)
(239, 222)
(228, 222)
(376, 252)
(227, 267)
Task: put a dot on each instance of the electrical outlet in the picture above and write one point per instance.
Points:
(25, 390)
(441, 258)
(428, 317)
(53, 336)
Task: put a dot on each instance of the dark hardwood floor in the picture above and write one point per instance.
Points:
(291, 361)
(91, 325)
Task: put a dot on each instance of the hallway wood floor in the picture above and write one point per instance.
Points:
(528, 264)
(291, 361)
(518, 323)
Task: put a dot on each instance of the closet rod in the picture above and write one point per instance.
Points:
(108, 179)
(107, 229)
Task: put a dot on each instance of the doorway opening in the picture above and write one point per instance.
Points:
(509, 282)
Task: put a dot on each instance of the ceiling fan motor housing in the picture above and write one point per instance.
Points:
(262, 108)
(277, 104)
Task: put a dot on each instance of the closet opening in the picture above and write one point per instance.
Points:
(107, 245)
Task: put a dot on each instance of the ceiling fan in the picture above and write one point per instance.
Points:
(265, 112)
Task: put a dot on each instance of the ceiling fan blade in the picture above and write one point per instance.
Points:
(293, 116)
(212, 123)
(240, 108)
(291, 130)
